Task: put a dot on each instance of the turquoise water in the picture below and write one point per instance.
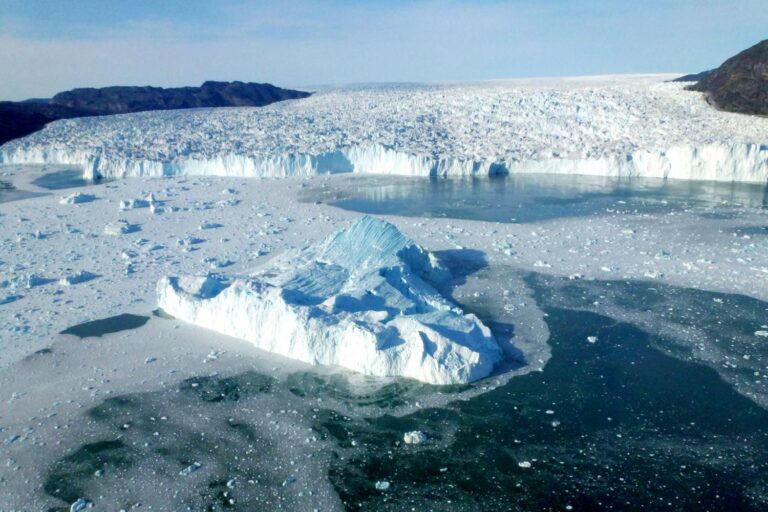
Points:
(533, 198)
(61, 180)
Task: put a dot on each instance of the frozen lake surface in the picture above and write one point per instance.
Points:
(639, 309)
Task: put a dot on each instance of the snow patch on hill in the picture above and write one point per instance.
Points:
(363, 299)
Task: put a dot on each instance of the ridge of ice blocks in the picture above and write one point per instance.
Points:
(364, 299)
(612, 126)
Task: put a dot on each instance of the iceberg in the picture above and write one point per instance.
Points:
(365, 299)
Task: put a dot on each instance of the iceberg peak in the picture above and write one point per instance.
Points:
(365, 299)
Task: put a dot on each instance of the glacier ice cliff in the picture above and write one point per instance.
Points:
(365, 299)
(612, 126)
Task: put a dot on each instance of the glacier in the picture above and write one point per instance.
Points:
(620, 126)
(366, 299)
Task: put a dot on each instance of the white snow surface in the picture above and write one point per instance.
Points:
(612, 126)
(364, 299)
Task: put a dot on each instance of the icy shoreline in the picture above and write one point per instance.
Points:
(610, 126)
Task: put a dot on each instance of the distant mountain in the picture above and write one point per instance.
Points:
(740, 84)
(694, 77)
(121, 100)
(18, 119)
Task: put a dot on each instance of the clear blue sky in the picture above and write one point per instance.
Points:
(52, 45)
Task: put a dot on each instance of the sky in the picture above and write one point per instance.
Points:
(48, 46)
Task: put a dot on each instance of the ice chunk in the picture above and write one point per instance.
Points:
(120, 227)
(415, 437)
(77, 198)
(190, 469)
(133, 204)
(80, 505)
(31, 280)
(77, 278)
(363, 299)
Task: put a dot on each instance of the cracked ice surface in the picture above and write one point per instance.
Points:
(615, 126)
(362, 299)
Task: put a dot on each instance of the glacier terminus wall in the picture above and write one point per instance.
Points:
(611, 126)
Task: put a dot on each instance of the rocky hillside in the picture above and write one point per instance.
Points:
(122, 100)
(18, 119)
(740, 84)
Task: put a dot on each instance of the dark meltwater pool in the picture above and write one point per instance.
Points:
(623, 417)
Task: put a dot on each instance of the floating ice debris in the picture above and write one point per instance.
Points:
(415, 437)
(77, 278)
(591, 339)
(77, 198)
(190, 469)
(215, 263)
(120, 227)
(10, 440)
(382, 485)
(189, 241)
(762, 334)
(363, 299)
(288, 481)
(80, 505)
(524, 464)
(31, 280)
(133, 204)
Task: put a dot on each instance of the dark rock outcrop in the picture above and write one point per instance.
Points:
(120, 100)
(694, 77)
(740, 84)
(18, 119)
